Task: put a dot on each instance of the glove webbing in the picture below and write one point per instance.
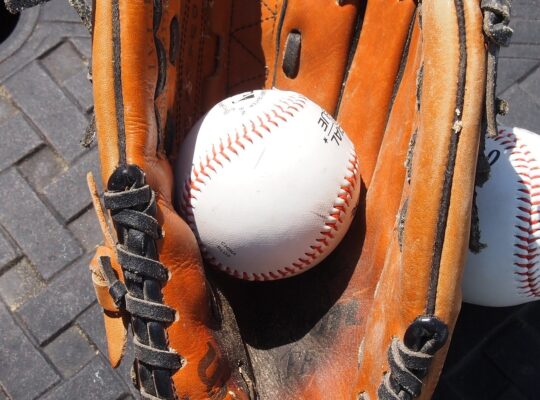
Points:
(132, 205)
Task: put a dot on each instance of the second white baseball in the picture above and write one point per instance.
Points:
(507, 271)
(268, 182)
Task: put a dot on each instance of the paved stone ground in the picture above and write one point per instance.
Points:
(52, 342)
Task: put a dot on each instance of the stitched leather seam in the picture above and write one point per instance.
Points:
(248, 79)
(244, 46)
(248, 51)
(265, 5)
(254, 24)
(527, 225)
(235, 143)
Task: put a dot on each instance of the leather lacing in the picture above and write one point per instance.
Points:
(410, 358)
(496, 29)
(497, 32)
(132, 205)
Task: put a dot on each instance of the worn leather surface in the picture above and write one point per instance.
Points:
(412, 264)
(300, 338)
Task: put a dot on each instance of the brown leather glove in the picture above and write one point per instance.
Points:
(406, 80)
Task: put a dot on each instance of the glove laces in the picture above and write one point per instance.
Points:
(132, 205)
(409, 359)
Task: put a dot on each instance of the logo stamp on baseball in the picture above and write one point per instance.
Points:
(268, 182)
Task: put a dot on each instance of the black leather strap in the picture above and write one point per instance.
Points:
(133, 210)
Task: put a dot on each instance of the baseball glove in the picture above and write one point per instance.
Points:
(407, 80)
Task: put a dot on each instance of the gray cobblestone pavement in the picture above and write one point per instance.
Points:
(52, 344)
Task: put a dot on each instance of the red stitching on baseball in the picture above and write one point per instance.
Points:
(528, 220)
(280, 116)
(323, 241)
(334, 217)
(328, 234)
(262, 124)
(269, 119)
(343, 200)
(289, 105)
(290, 114)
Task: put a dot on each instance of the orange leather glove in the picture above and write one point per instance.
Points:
(406, 80)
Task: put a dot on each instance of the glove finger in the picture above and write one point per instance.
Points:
(134, 91)
(418, 297)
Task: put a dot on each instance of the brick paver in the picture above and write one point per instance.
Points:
(70, 351)
(8, 251)
(53, 344)
(20, 283)
(68, 193)
(16, 147)
(48, 244)
(95, 381)
(25, 373)
(49, 108)
(42, 167)
(63, 300)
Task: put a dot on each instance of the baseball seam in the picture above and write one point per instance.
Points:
(222, 153)
(527, 225)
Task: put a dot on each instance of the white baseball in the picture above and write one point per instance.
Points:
(268, 182)
(507, 273)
